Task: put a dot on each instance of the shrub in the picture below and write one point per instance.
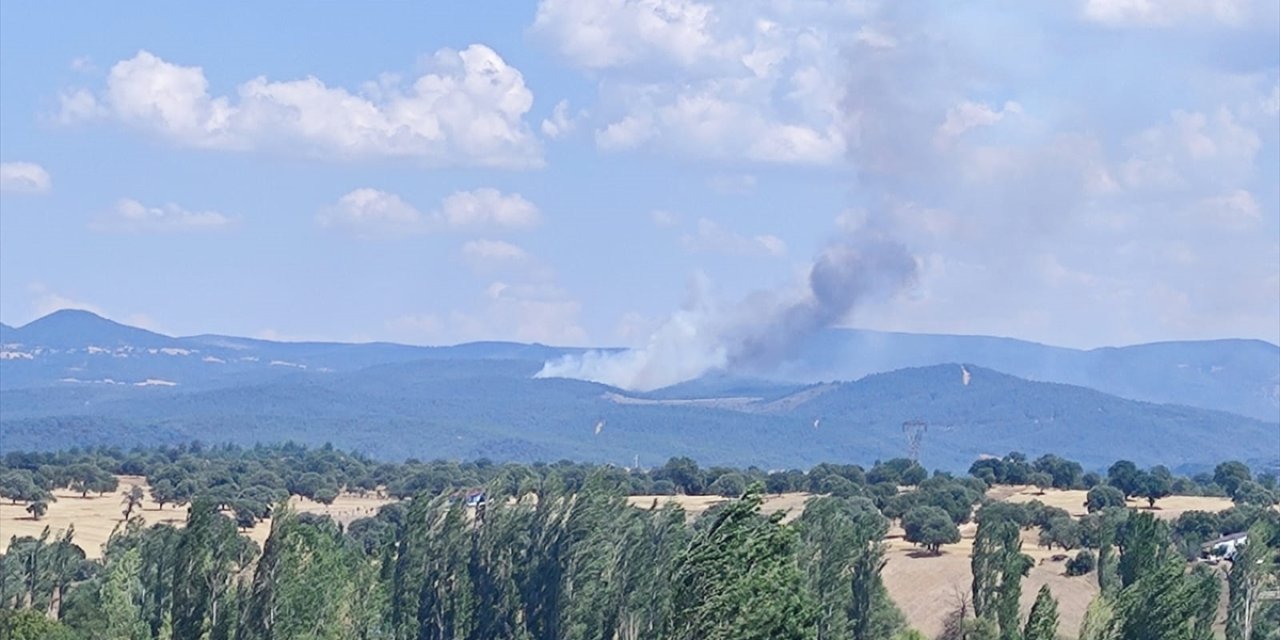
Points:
(1082, 564)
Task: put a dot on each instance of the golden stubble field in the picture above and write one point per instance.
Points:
(95, 517)
(925, 587)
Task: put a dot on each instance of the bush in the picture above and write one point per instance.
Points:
(29, 624)
(1083, 563)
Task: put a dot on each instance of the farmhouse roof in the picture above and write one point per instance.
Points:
(1225, 539)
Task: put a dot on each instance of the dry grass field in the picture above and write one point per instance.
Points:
(791, 503)
(1073, 501)
(927, 587)
(95, 517)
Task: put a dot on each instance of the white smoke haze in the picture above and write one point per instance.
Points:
(758, 331)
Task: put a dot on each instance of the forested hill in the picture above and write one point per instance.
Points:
(495, 409)
(73, 378)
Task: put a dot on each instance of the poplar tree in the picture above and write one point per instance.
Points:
(1042, 623)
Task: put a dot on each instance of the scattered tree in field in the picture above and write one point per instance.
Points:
(326, 495)
(1124, 475)
(930, 527)
(103, 483)
(1154, 485)
(1062, 532)
(1042, 481)
(1230, 475)
(1066, 474)
(162, 492)
(18, 485)
(37, 509)
(1103, 496)
(132, 500)
(1253, 493)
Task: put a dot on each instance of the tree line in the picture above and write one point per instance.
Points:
(550, 551)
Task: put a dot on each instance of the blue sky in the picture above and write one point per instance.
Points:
(1081, 173)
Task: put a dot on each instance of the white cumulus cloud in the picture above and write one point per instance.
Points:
(716, 80)
(491, 208)
(598, 35)
(468, 110)
(368, 212)
(560, 123)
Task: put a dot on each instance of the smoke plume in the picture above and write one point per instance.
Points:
(758, 331)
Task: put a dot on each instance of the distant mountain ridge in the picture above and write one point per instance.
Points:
(1237, 376)
(76, 379)
(496, 409)
(69, 328)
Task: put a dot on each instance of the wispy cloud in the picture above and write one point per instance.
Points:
(131, 216)
(560, 123)
(493, 252)
(368, 212)
(1165, 13)
(24, 177)
(710, 237)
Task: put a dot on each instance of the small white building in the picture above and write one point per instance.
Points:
(1223, 548)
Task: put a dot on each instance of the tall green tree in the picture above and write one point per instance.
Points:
(998, 566)
(208, 554)
(1253, 569)
(1042, 622)
(739, 580)
(842, 555)
(309, 583)
(121, 598)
